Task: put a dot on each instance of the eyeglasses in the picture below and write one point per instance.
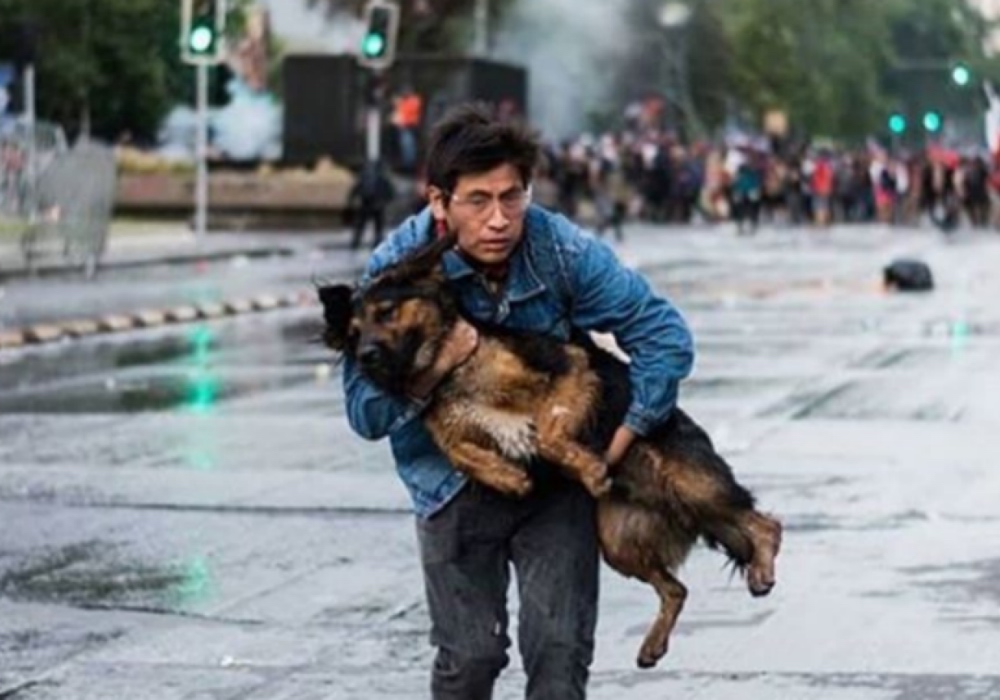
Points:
(512, 202)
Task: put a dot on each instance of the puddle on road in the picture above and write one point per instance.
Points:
(99, 574)
(193, 367)
(197, 391)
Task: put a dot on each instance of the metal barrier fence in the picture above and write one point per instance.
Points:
(57, 199)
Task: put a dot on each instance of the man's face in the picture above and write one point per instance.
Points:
(486, 212)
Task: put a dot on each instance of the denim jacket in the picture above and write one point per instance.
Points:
(559, 278)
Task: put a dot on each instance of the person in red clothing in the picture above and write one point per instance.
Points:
(994, 182)
(822, 189)
(407, 115)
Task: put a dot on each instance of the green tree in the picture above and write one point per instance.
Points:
(711, 62)
(838, 67)
(108, 66)
(821, 61)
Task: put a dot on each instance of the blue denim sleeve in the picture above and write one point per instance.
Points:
(371, 412)
(611, 298)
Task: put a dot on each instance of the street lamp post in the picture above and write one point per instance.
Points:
(674, 17)
(482, 27)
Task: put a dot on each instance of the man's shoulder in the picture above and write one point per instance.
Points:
(547, 229)
(404, 239)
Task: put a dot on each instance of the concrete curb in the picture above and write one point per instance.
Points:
(43, 334)
(12, 272)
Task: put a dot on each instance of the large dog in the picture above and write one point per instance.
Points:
(521, 397)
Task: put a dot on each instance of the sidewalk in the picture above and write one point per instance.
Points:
(133, 243)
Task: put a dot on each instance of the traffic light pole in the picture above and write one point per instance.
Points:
(373, 116)
(482, 25)
(377, 53)
(31, 119)
(201, 155)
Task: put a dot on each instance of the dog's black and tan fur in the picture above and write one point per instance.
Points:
(522, 397)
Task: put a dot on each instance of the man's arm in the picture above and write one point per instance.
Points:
(611, 298)
(371, 412)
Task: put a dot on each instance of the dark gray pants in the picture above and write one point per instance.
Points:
(467, 551)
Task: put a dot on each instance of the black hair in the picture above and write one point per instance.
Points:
(470, 140)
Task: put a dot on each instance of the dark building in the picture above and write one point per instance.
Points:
(325, 98)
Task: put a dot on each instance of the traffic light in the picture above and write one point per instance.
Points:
(897, 123)
(961, 75)
(202, 25)
(378, 44)
(932, 121)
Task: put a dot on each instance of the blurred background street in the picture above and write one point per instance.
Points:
(184, 511)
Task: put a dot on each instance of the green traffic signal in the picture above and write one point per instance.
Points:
(961, 75)
(897, 124)
(373, 45)
(378, 42)
(932, 122)
(201, 39)
(202, 34)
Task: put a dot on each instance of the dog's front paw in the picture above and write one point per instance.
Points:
(513, 482)
(597, 482)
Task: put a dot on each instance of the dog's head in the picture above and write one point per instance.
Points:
(393, 327)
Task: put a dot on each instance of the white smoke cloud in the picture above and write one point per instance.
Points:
(567, 45)
(310, 29)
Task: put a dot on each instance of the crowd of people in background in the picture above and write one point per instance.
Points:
(654, 177)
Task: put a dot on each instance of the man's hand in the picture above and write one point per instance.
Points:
(458, 346)
(622, 440)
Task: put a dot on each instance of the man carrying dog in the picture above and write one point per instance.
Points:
(521, 267)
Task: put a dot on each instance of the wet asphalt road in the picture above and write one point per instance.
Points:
(184, 513)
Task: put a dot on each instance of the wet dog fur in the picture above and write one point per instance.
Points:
(521, 397)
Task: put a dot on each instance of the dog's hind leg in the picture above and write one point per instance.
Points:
(721, 510)
(752, 540)
(641, 543)
(765, 532)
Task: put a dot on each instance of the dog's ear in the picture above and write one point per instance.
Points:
(424, 263)
(337, 309)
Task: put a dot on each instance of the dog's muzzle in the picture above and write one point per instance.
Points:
(383, 367)
(371, 357)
